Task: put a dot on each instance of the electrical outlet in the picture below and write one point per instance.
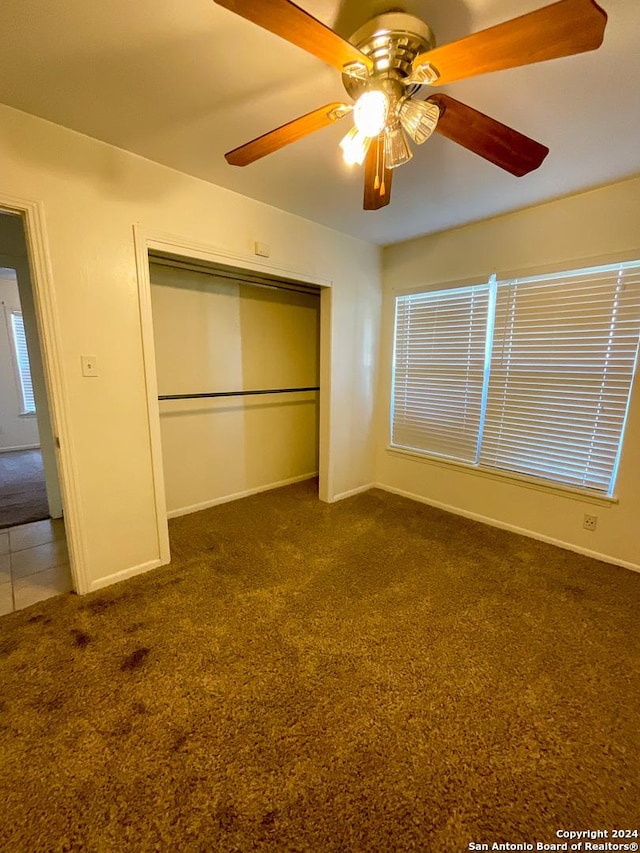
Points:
(590, 522)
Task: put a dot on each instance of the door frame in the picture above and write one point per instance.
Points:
(146, 241)
(48, 324)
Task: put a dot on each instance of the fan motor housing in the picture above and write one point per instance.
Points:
(392, 41)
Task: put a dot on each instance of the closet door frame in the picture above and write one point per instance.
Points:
(148, 241)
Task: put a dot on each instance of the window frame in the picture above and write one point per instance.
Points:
(504, 475)
(23, 410)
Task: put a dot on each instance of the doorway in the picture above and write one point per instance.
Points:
(34, 557)
(23, 494)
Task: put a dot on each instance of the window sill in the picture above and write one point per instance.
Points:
(503, 477)
(26, 414)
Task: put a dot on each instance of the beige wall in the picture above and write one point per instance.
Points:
(92, 195)
(17, 431)
(603, 224)
(214, 334)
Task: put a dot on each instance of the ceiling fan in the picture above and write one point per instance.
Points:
(388, 61)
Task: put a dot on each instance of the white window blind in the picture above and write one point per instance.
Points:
(563, 360)
(531, 375)
(439, 370)
(22, 360)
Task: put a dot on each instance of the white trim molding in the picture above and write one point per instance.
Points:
(107, 580)
(187, 510)
(187, 248)
(512, 528)
(47, 316)
(349, 494)
(141, 246)
(523, 480)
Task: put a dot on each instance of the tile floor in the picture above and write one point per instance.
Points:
(34, 564)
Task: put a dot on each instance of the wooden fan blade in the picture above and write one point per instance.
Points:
(487, 137)
(377, 178)
(287, 133)
(292, 23)
(562, 29)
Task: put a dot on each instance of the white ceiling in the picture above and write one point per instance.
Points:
(183, 81)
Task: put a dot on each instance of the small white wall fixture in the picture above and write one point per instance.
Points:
(146, 242)
(47, 317)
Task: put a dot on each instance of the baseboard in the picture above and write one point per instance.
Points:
(187, 510)
(124, 574)
(494, 522)
(21, 447)
(351, 493)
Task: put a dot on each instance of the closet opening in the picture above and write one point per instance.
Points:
(237, 364)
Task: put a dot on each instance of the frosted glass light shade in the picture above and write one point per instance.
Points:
(396, 147)
(419, 119)
(354, 147)
(370, 112)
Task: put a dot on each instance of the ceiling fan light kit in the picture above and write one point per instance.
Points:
(355, 146)
(390, 58)
(396, 148)
(371, 112)
(419, 118)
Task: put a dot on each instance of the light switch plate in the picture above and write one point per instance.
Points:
(89, 365)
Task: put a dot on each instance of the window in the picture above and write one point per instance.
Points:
(530, 375)
(22, 362)
(439, 371)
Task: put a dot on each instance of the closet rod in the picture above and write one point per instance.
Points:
(235, 393)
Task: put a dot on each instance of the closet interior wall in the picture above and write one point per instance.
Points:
(217, 331)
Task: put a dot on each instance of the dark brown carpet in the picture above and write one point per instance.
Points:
(23, 496)
(372, 675)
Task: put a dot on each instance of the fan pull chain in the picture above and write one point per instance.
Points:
(376, 183)
(383, 189)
